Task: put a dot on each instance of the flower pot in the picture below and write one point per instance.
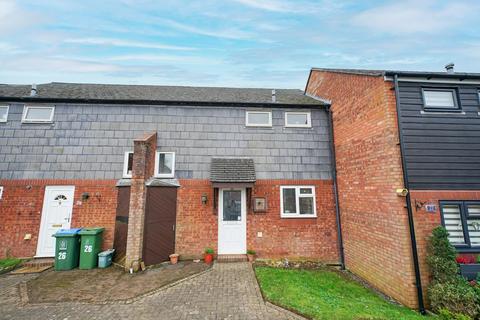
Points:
(174, 258)
(251, 257)
(469, 271)
(208, 257)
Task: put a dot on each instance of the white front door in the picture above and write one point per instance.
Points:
(232, 221)
(56, 214)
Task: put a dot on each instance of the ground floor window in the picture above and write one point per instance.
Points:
(462, 221)
(297, 202)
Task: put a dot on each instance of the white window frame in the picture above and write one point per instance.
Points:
(1, 192)
(297, 202)
(25, 111)
(269, 124)
(125, 165)
(8, 109)
(157, 163)
(309, 119)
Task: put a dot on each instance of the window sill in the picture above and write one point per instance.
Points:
(467, 250)
(434, 111)
(37, 122)
(298, 216)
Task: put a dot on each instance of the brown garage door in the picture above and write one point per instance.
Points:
(160, 219)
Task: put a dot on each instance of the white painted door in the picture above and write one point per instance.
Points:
(232, 221)
(56, 214)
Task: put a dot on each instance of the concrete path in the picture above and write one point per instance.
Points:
(228, 291)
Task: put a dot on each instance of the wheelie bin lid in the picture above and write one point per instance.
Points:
(106, 252)
(91, 231)
(67, 232)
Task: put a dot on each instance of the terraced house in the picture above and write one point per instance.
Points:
(408, 159)
(167, 169)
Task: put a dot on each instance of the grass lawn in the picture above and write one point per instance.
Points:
(324, 294)
(9, 262)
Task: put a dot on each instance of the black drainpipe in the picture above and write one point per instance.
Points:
(335, 190)
(418, 281)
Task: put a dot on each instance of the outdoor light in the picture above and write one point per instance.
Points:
(204, 199)
(85, 196)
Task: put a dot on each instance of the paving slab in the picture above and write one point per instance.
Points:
(227, 291)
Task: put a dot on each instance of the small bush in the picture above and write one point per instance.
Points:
(209, 251)
(457, 297)
(450, 294)
(444, 314)
(441, 256)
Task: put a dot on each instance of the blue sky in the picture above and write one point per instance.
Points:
(270, 43)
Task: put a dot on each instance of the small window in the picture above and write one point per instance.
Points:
(298, 119)
(440, 99)
(297, 202)
(128, 164)
(258, 119)
(1, 193)
(462, 221)
(37, 114)
(165, 165)
(3, 113)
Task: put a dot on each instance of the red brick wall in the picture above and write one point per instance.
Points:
(425, 222)
(21, 209)
(294, 238)
(374, 218)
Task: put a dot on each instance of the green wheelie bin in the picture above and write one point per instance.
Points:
(67, 247)
(91, 244)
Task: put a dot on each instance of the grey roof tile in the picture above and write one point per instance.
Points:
(113, 92)
(232, 170)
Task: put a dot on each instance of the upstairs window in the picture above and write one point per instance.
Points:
(165, 165)
(462, 221)
(3, 113)
(298, 119)
(37, 114)
(297, 202)
(440, 99)
(258, 119)
(128, 164)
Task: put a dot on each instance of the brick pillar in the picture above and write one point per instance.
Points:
(143, 168)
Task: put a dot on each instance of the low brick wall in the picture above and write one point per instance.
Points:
(316, 238)
(21, 211)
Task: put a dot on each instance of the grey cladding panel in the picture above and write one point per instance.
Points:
(89, 141)
(442, 151)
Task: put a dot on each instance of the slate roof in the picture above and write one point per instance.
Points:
(378, 73)
(232, 170)
(112, 92)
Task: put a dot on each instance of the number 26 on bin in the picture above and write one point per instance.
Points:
(62, 255)
(88, 248)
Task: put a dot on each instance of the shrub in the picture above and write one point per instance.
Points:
(441, 256)
(444, 314)
(449, 293)
(457, 297)
(249, 251)
(209, 251)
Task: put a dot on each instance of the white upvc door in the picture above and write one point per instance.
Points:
(56, 214)
(232, 221)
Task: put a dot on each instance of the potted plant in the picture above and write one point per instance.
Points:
(208, 256)
(469, 266)
(174, 258)
(251, 255)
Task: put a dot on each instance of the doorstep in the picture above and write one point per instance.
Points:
(232, 258)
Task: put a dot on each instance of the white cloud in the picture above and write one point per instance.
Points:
(13, 18)
(414, 16)
(124, 43)
(154, 58)
(227, 33)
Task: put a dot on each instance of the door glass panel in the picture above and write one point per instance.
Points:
(306, 205)
(453, 223)
(289, 204)
(232, 205)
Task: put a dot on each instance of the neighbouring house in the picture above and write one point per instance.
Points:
(167, 169)
(407, 148)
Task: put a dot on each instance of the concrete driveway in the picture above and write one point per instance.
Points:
(227, 291)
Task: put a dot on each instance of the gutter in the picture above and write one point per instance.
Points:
(411, 225)
(335, 191)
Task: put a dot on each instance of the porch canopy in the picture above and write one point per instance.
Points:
(232, 172)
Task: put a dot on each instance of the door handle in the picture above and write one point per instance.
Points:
(173, 227)
(67, 219)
